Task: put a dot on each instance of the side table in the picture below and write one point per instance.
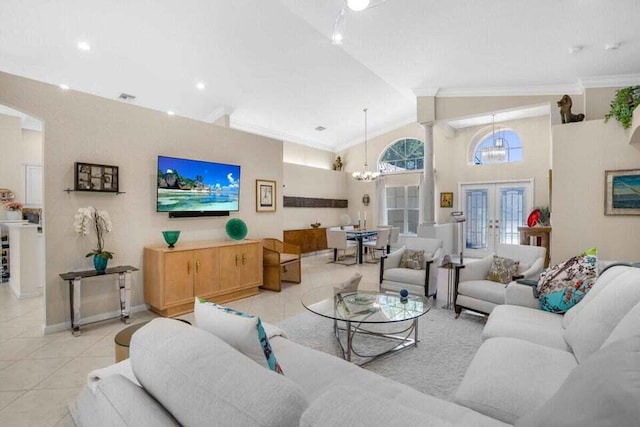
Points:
(453, 279)
(75, 281)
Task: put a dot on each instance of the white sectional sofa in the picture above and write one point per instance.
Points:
(529, 362)
(528, 354)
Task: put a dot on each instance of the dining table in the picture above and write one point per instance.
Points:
(359, 236)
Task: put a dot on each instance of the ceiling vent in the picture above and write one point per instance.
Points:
(126, 97)
(320, 128)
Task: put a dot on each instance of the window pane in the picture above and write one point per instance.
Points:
(511, 142)
(512, 211)
(476, 225)
(396, 218)
(412, 226)
(412, 197)
(405, 154)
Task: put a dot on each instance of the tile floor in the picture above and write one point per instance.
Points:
(40, 374)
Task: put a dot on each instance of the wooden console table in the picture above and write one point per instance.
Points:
(545, 239)
(308, 239)
(75, 280)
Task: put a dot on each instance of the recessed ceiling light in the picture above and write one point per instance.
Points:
(171, 113)
(358, 5)
(575, 49)
(611, 46)
(83, 45)
(200, 86)
(64, 87)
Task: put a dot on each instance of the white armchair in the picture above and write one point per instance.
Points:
(475, 292)
(420, 282)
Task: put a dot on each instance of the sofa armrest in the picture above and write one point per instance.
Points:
(270, 257)
(476, 270)
(392, 260)
(534, 271)
(519, 293)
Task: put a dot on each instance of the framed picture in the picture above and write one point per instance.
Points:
(265, 195)
(446, 200)
(93, 177)
(622, 192)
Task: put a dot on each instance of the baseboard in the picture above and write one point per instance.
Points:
(66, 326)
(31, 294)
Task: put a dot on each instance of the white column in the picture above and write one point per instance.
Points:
(428, 183)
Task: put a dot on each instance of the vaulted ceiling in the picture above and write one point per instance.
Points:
(271, 66)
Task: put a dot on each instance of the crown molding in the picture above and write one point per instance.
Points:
(611, 81)
(278, 135)
(571, 89)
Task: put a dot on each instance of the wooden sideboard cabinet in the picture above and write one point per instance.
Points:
(308, 239)
(218, 271)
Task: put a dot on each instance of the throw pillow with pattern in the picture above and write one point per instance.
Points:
(412, 259)
(564, 285)
(502, 270)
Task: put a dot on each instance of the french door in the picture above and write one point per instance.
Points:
(493, 212)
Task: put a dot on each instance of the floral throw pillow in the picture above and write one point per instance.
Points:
(502, 270)
(564, 285)
(412, 259)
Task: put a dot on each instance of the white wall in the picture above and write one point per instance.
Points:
(307, 156)
(81, 127)
(452, 165)
(581, 154)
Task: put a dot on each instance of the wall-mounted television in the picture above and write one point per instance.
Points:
(189, 188)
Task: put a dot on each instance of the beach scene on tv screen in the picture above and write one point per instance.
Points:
(192, 185)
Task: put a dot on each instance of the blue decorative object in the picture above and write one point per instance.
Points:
(236, 229)
(171, 237)
(100, 263)
(404, 295)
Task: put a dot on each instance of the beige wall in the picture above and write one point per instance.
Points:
(308, 156)
(305, 181)
(452, 165)
(598, 102)
(81, 127)
(581, 154)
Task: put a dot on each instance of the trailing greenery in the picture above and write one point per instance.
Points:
(545, 215)
(622, 106)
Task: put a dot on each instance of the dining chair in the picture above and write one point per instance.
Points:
(379, 244)
(337, 240)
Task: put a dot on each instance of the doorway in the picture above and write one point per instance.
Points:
(494, 211)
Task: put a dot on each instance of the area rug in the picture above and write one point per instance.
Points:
(436, 366)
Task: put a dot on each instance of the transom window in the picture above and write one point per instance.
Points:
(503, 146)
(403, 155)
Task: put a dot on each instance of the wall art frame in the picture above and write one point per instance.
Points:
(266, 195)
(622, 192)
(96, 177)
(446, 200)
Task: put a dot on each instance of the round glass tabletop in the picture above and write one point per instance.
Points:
(364, 306)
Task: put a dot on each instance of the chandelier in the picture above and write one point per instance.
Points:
(497, 152)
(365, 174)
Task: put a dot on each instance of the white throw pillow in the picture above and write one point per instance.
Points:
(241, 331)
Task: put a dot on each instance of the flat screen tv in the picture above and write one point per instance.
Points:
(197, 188)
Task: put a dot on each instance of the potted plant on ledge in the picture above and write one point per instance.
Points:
(90, 217)
(14, 210)
(623, 104)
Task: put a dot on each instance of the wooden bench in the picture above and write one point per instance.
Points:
(281, 263)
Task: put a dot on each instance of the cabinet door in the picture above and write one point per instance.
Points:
(179, 269)
(207, 271)
(230, 259)
(250, 264)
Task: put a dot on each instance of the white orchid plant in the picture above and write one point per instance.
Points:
(87, 218)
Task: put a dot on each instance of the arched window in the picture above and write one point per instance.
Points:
(503, 146)
(403, 155)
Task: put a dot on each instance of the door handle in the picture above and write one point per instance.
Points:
(197, 266)
(188, 267)
(244, 257)
(237, 260)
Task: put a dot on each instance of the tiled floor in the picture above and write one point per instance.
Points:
(40, 374)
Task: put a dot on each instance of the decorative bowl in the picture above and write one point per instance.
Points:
(316, 225)
(171, 237)
(236, 229)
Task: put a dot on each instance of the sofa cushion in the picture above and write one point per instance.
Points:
(628, 327)
(413, 259)
(607, 277)
(502, 269)
(595, 322)
(602, 391)
(353, 406)
(509, 378)
(199, 378)
(485, 290)
(528, 324)
(242, 331)
(564, 285)
(405, 275)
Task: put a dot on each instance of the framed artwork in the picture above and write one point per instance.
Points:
(622, 192)
(265, 195)
(94, 177)
(446, 200)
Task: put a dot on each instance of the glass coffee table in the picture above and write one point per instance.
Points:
(355, 313)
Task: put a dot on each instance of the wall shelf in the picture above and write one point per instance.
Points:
(70, 190)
